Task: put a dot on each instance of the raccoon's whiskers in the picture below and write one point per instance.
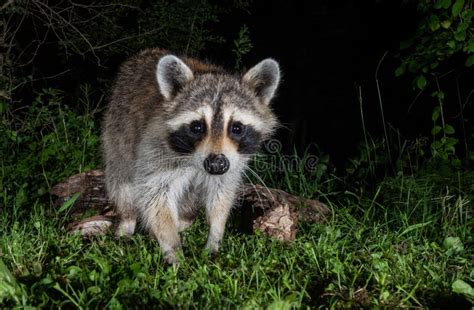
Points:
(260, 180)
(254, 187)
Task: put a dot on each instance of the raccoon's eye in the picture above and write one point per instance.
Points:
(237, 128)
(197, 127)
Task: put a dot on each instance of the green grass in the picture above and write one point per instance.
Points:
(388, 251)
(397, 241)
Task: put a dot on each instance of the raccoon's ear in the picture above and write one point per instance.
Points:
(263, 78)
(172, 74)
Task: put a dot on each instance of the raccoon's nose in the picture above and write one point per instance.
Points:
(216, 164)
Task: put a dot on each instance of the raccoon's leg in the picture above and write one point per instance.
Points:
(120, 193)
(126, 212)
(189, 206)
(127, 224)
(158, 201)
(162, 226)
(217, 212)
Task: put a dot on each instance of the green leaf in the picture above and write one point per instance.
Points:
(433, 22)
(439, 95)
(470, 47)
(413, 66)
(399, 71)
(9, 287)
(451, 44)
(449, 129)
(66, 205)
(463, 26)
(414, 227)
(433, 65)
(456, 163)
(470, 61)
(442, 4)
(457, 7)
(451, 142)
(21, 197)
(446, 23)
(436, 130)
(453, 244)
(436, 145)
(421, 82)
(460, 36)
(463, 288)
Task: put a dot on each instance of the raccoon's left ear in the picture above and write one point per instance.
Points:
(263, 78)
(172, 74)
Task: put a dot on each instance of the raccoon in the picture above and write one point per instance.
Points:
(177, 136)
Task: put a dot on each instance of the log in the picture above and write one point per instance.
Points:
(272, 211)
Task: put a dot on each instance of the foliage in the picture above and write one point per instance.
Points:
(399, 244)
(72, 39)
(242, 45)
(461, 287)
(387, 243)
(445, 29)
(44, 144)
(443, 136)
(445, 32)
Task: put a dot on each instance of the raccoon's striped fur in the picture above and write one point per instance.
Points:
(177, 135)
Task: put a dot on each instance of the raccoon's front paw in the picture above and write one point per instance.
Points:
(126, 228)
(172, 258)
(212, 246)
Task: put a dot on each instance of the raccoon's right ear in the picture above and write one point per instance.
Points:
(263, 79)
(172, 74)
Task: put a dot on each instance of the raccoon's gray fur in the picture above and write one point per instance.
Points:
(177, 135)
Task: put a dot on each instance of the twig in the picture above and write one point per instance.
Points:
(59, 17)
(381, 105)
(128, 38)
(4, 6)
(363, 126)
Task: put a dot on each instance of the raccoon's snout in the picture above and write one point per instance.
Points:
(216, 164)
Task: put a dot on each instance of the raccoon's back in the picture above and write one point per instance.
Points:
(135, 99)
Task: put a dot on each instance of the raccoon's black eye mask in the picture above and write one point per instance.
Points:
(237, 129)
(197, 127)
(246, 137)
(185, 139)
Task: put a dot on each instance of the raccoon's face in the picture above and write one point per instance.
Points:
(216, 119)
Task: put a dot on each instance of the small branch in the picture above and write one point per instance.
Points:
(6, 4)
(381, 105)
(128, 38)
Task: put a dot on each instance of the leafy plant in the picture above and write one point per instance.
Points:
(446, 29)
(444, 142)
(45, 143)
(463, 288)
(242, 45)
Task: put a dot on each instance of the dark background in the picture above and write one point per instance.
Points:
(327, 50)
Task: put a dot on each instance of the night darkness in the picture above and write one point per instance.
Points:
(327, 50)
